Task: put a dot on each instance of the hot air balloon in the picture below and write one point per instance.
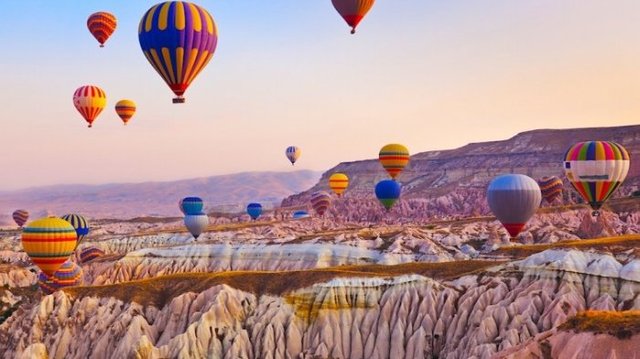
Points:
(388, 192)
(300, 214)
(338, 182)
(196, 223)
(20, 216)
(293, 153)
(254, 210)
(68, 275)
(596, 169)
(320, 202)
(90, 253)
(49, 242)
(551, 188)
(513, 199)
(191, 205)
(101, 25)
(125, 110)
(394, 158)
(352, 11)
(89, 101)
(79, 223)
(46, 284)
(178, 38)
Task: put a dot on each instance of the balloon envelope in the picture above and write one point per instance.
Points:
(20, 216)
(338, 182)
(352, 11)
(49, 242)
(394, 158)
(196, 223)
(300, 214)
(320, 202)
(79, 223)
(101, 25)
(178, 39)
(68, 275)
(90, 253)
(125, 110)
(551, 188)
(293, 153)
(254, 210)
(596, 169)
(191, 205)
(89, 101)
(513, 199)
(388, 192)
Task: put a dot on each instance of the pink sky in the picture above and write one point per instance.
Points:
(424, 73)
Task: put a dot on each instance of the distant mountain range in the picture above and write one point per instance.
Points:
(125, 200)
(468, 169)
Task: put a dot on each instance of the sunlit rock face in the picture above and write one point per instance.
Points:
(389, 317)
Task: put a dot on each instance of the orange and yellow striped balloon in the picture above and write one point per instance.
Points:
(89, 101)
(394, 158)
(338, 182)
(125, 109)
(49, 242)
(101, 25)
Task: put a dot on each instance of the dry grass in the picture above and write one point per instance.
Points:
(622, 324)
(159, 291)
(610, 244)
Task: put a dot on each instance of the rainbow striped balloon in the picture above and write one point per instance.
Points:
(353, 11)
(49, 242)
(178, 39)
(101, 25)
(125, 110)
(551, 188)
(338, 182)
(46, 284)
(69, 275)
(20, 216)
(394, 158)
(596, 169)
(89, 101)
(320, 202)
(90, 253)
(79, 223)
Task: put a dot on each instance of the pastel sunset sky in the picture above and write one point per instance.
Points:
(430, 74)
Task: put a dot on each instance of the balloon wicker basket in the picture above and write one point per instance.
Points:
(178, 100)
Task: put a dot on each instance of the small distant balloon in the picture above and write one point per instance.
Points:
(178, 39)
(125, 110)
(254, 210)
(90, 253)
(20, 216)
(191, 205)
(514, 199)
(353, 11)
(394, 158)
(320, 202)
(196, 223)
(293, 153)
(388, 192)
(89, 101)
(101, 25)
(300, 214)
(596, 169)
(338, 182)
(68, 275)
(551, 188)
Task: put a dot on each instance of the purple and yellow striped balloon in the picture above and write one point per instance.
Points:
(320, 202)
(551, 188)
(90, 253)
(178, 38)
(20, 216)
(68, 275)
